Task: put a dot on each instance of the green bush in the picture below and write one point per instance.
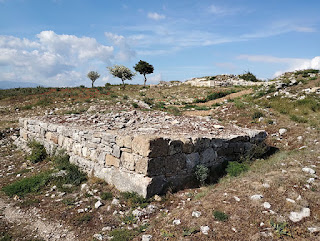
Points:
(135, 105)
(234, 168)
(248, 76)
(27, 185)
(134, 199)
(220, 216)
(201, 173)
(38, 152)
(74, 176)
(106, 196)
(122, 234)
(257, 115)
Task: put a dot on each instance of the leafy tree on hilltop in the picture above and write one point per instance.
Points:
(121, 72)
(248, 76)
(93, 75)
(144, 68)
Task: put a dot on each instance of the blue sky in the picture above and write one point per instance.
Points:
(57, 42)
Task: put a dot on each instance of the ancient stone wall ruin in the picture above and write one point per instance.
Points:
(140, 152)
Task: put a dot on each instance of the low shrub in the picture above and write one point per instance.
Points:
(257, 115)
(234, 168)
(122, 234)
(38, 152)
(248, 76)
(220, 216)
(201, 173)
(106, 196)
(134, 199)
(135, 105)
(27, 185)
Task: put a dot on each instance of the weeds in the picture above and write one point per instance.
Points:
(281, 229)
(38, 152)
(134, 200)
(84, 219)
(190, 231)
(106, 196)
(234, 168)
(257, 115)
(220, 216)
(122, 234)
(201, 173)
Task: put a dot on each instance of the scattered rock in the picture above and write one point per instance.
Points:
(115, 202)
(205, 230)
(282, 131)
(314, 229)
(176, 222)
(98, 236)
(146, 237)
(196, 214)
(256, 197)
(98, 204)
(157, 198)
(298, 216)
(308, 170)
(236, 198)
(266, 205)
(290, 200)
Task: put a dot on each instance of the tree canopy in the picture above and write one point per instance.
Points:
(93, 75)
(144, 68)
(121, 72)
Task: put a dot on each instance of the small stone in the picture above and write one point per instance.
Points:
(290, 200)
(266, 185)
(266, 205)
(157, 198)
(282, 131)
(314, 229)
(115, 202)
(310, 180)
(236, 198)
(98, 204)
(261, 224)
(106, 229)
(80, 210)
(196, 214)
(205, 230)
(146, 237)
(308, 170)
(176, 222)
(84, 187)
(98, 236)
(234, 230)
(256, 197)
(218, 127)
(298, 216)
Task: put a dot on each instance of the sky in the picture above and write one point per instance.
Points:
(57, 42)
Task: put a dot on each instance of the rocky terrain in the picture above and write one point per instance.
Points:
(277, 197)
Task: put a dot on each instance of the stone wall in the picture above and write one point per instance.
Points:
(143, 163)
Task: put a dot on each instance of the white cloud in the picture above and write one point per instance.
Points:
(154, 79)
(125, 51)
(291, 63)
(156, 16)
(51, 59)
(222, 11)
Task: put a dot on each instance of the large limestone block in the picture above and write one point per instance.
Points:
(128, 160)
(124, 141)
(200, 144)
(175, 146)
(24, 134)
(112, 161)
(150, 146)
(51, 137)
(187, 146)
(174, 164)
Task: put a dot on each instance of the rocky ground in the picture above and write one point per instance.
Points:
(277, 198)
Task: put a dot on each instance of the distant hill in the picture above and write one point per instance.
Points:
(13, 84)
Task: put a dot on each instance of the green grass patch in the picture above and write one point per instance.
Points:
(220, 216)
(234, 168)
(27, 185)
(134, 200)
(106, 196)
(38, 152)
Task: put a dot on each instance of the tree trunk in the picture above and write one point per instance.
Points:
(92, 84)
(124, 85)
(145, 80)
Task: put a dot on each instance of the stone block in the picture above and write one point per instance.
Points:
(52, 127)
(102, 158)
(150, 146)
(128, 160)
(108, 138)
(192, 160)
(200, 144)
(175, 146)
(60, 140)
(208, 156)
(156, 166)
(124, 141)
(141, 165)
(51, 137)
(187, 146)
(175, 163)
(96, 140)
(112, 161)
(85, 151)
(116, 151)
(24, 134)
(123, 149)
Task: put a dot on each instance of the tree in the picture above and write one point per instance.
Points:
(144, 68)
(93, 75)
(121, 72)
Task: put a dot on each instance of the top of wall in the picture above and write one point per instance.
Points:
(149, 123)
